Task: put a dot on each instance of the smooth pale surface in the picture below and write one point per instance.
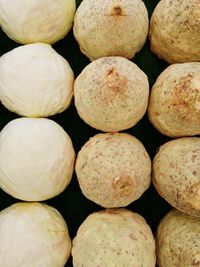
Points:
(174, 106)
(33, 234)
(113, 170)
(175, 30)
(111, 94)
(35, 81)
(111, 238)
(178, 240)
(36, 159)
(36, 20)
(111, 28)
(176, 174)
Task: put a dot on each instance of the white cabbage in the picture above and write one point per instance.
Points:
(33, 235)
(36, 159)
(36, 20)
(35, 81)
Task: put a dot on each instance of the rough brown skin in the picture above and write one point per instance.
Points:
(176, 174)
(113, 170)
(175, 30)
(111, 28)
(178, 240)
(111, 94)
(114, 237)
(174, 106)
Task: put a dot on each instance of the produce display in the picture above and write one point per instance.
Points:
(93, 116)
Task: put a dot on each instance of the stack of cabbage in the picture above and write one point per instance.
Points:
(36, 154)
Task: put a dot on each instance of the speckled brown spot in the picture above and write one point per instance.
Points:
(171, 164)
(124, 186)
(194, 157)
(180, 90)
(132, 236)
(111, 211)
(116, 81)
(195, 263)
(195, 196)
(117, 11)
(194, 173)
(157, 113)
(184, 98)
